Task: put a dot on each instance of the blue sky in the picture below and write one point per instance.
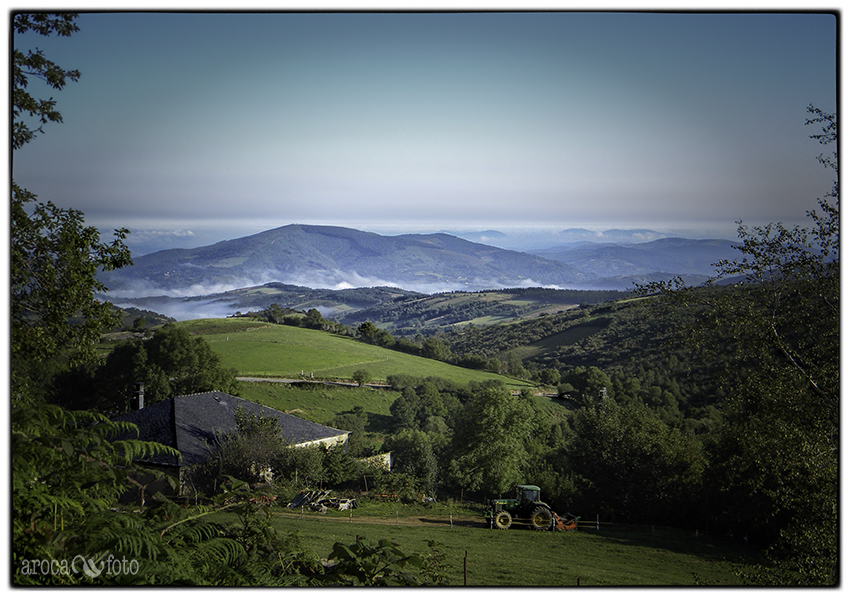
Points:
(192, 128)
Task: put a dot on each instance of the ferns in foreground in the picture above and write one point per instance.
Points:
(70, 528)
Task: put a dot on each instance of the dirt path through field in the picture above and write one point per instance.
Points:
(460, 521)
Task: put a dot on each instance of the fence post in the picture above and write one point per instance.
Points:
(465, 554)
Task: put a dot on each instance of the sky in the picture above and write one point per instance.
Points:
(190, 128)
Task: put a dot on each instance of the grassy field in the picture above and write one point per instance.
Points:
(619, 556)
(270, 351)
(320, 403)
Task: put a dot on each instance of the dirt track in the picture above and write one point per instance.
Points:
(460, 521)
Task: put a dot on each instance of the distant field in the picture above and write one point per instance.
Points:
(271, 351)
(561, 339)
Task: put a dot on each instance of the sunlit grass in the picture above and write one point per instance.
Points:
(624, 556)
(272, 351)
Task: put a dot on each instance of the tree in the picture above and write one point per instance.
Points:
(169, 364)
(404, 409)
(550, 377)
(434, 348)
(368, 332)
(630, 464)
(314, 319)
(490, 450)
(252, 453)
(276, 313)
(361, 377)
(34, 64)
(55, 314)
(354, 422)
(777, 457)
(413, 454)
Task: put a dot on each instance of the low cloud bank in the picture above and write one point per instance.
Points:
(211, 300)
(181, 309)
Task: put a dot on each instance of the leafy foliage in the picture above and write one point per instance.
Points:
(171, 363)
(66, 470)
(34, 64)
(490, 451)
(628, 462)
(413, 453)
(379, 564)
(777, 457)
(55, 315)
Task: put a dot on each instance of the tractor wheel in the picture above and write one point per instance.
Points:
(502, 520)
(541, 518)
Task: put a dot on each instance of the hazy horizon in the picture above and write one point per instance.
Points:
(192, 128)
(520, 237)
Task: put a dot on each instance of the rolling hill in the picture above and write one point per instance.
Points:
(269, 351)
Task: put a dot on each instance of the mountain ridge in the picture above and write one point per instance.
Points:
(339, 257)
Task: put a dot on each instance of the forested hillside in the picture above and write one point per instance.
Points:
(442, 311)
(638, 339)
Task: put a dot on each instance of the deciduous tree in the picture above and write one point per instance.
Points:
(775, 461)
(54, 257)
(490, 441)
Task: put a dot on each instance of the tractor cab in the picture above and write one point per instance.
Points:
(528, 494)
(527, 508)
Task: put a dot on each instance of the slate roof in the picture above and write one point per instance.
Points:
(189, 423)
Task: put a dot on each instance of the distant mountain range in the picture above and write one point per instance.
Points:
(531, 239)
(337, 258)
(672, 255)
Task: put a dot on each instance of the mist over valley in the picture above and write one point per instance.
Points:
(319, 266)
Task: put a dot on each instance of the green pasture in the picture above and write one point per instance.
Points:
(486, 321)
(270, 351)
(619, 556)
(567, 337)
(320, 403)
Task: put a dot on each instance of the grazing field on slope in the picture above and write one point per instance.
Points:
(272, 351)
(320, 403)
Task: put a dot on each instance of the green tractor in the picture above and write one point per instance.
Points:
(526, 507)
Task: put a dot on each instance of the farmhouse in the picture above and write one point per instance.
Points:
(191, 424)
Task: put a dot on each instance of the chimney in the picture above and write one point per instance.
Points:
(139, 399)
